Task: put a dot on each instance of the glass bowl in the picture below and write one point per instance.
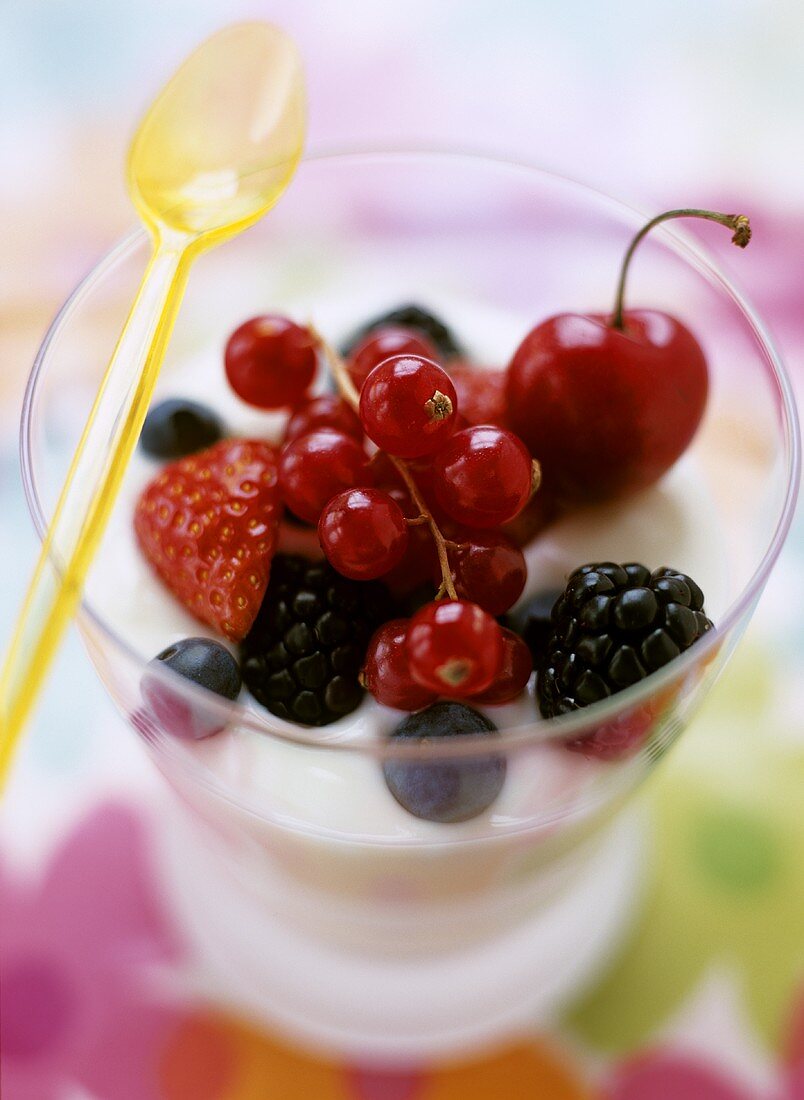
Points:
(298, 826)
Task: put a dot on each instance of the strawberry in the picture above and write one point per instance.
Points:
(208, 524)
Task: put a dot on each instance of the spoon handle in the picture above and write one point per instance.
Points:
(90, 489)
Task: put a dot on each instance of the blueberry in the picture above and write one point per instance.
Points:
(177, 427)
(445, 790)
(534, 622)
(206, 663)
(411, 316)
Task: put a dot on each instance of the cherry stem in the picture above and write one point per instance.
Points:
(738, 223)
(349, 393)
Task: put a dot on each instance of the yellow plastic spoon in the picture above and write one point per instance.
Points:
(215, 151)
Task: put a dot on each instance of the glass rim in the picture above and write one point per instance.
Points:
(567, 727)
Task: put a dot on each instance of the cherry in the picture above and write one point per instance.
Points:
(324, 411)
(316, 466)
(386, 673)
(454, 647)
(408, 406)
(483, 476)
(515, 669)
(363, 533)
(608, 404)
(270, 362)
(385, 343)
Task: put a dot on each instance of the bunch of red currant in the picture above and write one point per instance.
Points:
(425, 505)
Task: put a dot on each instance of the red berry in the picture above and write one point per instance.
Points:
(606, 411)
(363, 533)
(515, 669)
(454, 647)
(316, 466)
(489, 569)
(271, 361)
(482, 477)
(386, 673)
(408, 406)
(324, 411)
(385, 343)
(481, 394)
(208, 525)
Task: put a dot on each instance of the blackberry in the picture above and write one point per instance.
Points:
(612, 626)
(411, 316)
(302, 657)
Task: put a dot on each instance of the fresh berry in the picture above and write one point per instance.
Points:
(383, 343)
(271, 362)
(303, 655)
(454, 648)
(408, 406)
(386, 673)
(204, 662)
(325, 411)
(316, 466)
(612, 626)
(488, 569)
(483, 476)
(534, 622)
(445, 790)
(208, 525)
(413, 317)
(363, 533)
(512, 678)
(178, 427)
(609, 403)
(481, 394)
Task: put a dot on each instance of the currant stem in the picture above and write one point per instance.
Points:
(349, 393)
(738, 223)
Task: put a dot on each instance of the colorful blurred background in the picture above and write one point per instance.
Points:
(663, 104)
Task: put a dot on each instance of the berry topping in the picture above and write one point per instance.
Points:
(481, 394)
(271, 362)
(383, 343)
(386, 672)
(324, 411)
(208, 526)
(534, 622)
(203, 661)
(488, 569)
(303, 655)
(443, 790)
(515, 669)
(177, 427)
(416, 318)
(612, 626)
(454, 648)
(483, 476)
(363, 533)
(316, 466)
(408, 406)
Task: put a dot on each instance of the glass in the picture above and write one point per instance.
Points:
(330, 910)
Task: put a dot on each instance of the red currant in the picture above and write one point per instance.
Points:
(316, 466)
(324, 411)
(489, 569)
(515, 669)
(386, 674)
(481, 393)
(454, 647)
(363, 533)
(384, 343)
(408, 406)
(482, 476)
(271, 361)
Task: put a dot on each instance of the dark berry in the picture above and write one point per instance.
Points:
(206, 663)
(534, 621)
(413, 317)
(304, 653)
(177, 427)
(611, 627)
(445, 790)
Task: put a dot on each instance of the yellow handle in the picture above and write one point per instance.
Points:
(89, 492)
